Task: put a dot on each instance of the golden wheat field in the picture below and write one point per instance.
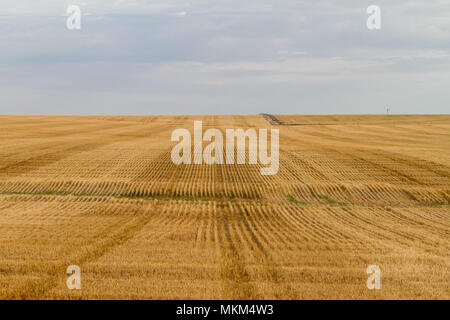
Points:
(101, 192)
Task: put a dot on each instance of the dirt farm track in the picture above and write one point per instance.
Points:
(102, 193)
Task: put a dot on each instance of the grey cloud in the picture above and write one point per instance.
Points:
(231, 56)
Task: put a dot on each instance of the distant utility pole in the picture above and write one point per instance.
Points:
(388, 110)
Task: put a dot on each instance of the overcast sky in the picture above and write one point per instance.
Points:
(224, 57)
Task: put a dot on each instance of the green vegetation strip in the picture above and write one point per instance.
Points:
(292, 199)
(222, 201)
(127, 196)
(333, 202)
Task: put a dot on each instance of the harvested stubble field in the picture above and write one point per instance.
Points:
(102, 193)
